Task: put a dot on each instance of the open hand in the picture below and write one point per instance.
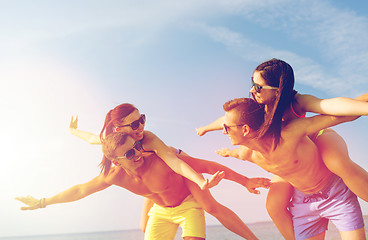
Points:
(254, 183)
(224, 152)
(201, 131)
(74, 124)
(215, 179)
(32, 202)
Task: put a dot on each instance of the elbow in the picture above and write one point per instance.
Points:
(211, 209)
(79, 192)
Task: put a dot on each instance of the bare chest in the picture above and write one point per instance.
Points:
(282, 164)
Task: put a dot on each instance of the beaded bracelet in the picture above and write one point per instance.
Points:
(42, 202)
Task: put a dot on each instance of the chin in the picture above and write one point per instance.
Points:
(139, 163)
(259, 100)
(233, 142)
(139, 136)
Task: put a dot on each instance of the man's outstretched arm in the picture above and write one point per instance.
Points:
(210, 167)
(72, 194)
(225, 216)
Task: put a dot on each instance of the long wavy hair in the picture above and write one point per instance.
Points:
(114, 118)
(276, 73)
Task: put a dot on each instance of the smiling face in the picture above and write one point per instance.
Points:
(127, 155)
(264, 96)
(130, 120)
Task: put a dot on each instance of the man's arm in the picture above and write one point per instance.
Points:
(242, 153)
(153, 143)
(215, 125)
(147, 205)
(310, 125)
(225, 216)
(210, 167)
(72, 194)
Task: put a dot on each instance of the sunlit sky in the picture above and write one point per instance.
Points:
(178, 62)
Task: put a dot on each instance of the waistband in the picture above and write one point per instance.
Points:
(322, 194)
(188, 198)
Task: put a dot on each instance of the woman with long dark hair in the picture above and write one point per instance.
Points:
(273, 88)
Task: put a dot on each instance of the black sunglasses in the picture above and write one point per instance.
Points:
(131, 152)
(226, 127)
(258, 87)
(135, 125)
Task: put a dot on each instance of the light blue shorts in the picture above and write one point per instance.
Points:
(311, 212)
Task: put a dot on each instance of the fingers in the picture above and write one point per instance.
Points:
(257, 183)
(220, 152)
(215, 179)
(255, 191)
(29, 200)
(266, 182)
(32, 202)
(27, 208)
(261, 182)
(223, 152)
(71, 123)
(74, 123)
(199, 132)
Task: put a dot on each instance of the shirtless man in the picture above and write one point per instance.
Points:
(319, 194)
(147, 175)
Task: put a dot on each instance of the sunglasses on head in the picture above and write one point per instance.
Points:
(135, 125)
(226, 127)
(131, 152)
(258, 87)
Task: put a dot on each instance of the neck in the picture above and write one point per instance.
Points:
(138, 172)
(264, 145)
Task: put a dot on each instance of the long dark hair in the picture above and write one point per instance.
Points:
(113, 119)
(276, 73)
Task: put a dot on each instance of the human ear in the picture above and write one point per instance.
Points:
(246, 130)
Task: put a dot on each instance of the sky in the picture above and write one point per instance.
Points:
(177, 62)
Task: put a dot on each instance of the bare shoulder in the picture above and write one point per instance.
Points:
(300, 98)
(149, 137)
(114, 174)
(245, 153)
(149, 134)
(149, 155)
(307, 103)
(293, 128)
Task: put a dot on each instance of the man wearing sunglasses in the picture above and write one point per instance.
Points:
(319, 195)
(177, 201)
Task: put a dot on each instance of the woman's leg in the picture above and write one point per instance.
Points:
(278, 199)
(358, 234)
(320, 236)
(334, 153)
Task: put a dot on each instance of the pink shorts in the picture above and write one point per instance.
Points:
(311, 212)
